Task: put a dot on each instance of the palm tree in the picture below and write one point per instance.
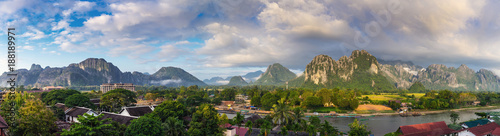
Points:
(174, 127)
(281, 112)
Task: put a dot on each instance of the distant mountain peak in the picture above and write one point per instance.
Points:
(237, 81)
(35, 67)
(276, 74)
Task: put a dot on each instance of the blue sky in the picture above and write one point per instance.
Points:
(232, 37)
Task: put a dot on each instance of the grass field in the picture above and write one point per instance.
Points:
(328, 109)
(370, 108)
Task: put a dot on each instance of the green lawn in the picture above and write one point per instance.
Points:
(328, 109)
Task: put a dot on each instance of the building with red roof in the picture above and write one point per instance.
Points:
(490, 129)
(426, 129)
(3, 126)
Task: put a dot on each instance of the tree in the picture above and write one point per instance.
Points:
(169, 109)
(311, 129)
(129, 95)
(298, 113)
(228, 94)
(265, 128)
(78, 100)
(113, 102)
(283, 131)
(11, 104)
(238, 120)
(91, 126)
(205, 121)
(315, 121)
(174, 127)
(358, 129)
(58, 96)
(249, 125)
(144, 126)
(35, 119)
(268, 100)
(454, 117)
(481, 114)
(325, 95)
(328, 130)
(281, 112)
(255, 101)
(312, 102)
(151, 96)
(417, 87)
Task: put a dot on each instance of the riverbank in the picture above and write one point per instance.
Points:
(423, 112)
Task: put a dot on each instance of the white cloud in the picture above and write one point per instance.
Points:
(60, 25)
(27, 47)
(168, 81)
(34, 34)
(79, 7)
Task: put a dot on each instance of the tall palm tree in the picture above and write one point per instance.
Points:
(281, 112)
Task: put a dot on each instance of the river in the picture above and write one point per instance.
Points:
(380, 125)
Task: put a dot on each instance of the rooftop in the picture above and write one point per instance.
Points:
(122, 119)
(432, 128)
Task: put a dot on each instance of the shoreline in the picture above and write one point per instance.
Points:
(425, 112)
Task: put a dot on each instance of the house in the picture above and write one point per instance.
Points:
(61, 106)
(252, 118)
(471, 124)
(96, 102)
(72, 113)
(426, 129)
(234, 130)
(62, 125)
(3, 126)
(476, 103)
(256, 132)
(122, 119)
(490, 129)
(136, 111)
(50, 88)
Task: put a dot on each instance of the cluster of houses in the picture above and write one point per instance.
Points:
(125, 116)
(481, 127)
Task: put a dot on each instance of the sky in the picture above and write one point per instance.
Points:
(211, 38)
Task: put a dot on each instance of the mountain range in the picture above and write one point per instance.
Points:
(93, 71)
(360, 70)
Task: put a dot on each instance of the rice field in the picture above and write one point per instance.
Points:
(385, 97)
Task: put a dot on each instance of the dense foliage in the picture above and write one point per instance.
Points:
(144, 126)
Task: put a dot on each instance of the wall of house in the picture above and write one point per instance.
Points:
(465, 133)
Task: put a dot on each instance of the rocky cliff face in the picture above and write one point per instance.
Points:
(95, 71)
(360, 70)
(438, 76)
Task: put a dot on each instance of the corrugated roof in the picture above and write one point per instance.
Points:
(138, 111)
(425, 129)
(484, 129)
(475, 123)
(3, 124)
(75, 111)
(118, 118)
